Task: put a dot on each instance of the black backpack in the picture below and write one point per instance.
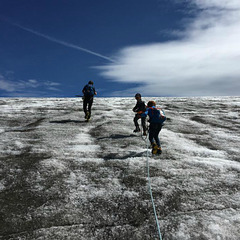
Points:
(89, 90)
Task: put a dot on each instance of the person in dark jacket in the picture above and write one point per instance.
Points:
(88, 94)
(156, 119)
(139, 109)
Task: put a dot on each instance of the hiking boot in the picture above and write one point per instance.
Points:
(159, 150)
(154, 148)
(137, 130)
(87, 116)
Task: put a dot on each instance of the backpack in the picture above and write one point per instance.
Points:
(89, 90)
(157, 115)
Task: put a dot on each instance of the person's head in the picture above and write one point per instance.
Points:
(151, 104)
(138, 96)
(90, 82)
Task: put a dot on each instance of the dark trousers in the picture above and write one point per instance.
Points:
(143, 121)
(154, 130)
(87, 105)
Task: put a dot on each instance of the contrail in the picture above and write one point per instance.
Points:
(52, 39)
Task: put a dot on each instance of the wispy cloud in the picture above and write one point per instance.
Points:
(6, 85)
(204, 61)
(52, 39)
(52, 86)
(27, 86)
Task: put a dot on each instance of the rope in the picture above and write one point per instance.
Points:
(150, 190)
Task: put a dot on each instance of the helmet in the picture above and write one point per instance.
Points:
(137, 95)
(90, 82)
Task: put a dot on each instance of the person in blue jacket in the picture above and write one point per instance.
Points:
(156, 119)
(88, 92)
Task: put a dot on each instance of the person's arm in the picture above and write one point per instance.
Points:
(162, 114)
(145, 113)
(83, 91)
(135, 109)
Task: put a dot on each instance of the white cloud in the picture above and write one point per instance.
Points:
(205, 61)
(6, 85)
(48, 83)
(20, 86)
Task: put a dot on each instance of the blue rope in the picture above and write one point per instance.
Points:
(150, 190)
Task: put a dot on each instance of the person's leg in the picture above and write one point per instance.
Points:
(156, 137)
(152, 129)
(85, 106)
(151, 133)
(90, 102)
(143, 121)
(135, 120)
(158, 128)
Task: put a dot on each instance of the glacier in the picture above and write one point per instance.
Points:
(63, 178)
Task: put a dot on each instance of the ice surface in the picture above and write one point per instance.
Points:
(63, 178)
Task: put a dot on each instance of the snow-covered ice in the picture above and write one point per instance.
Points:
(63, 178)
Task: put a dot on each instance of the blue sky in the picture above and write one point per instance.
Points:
(155, 47)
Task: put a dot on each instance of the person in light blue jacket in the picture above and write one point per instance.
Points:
(156, 119)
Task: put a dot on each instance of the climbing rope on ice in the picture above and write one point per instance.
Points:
(150, 189)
